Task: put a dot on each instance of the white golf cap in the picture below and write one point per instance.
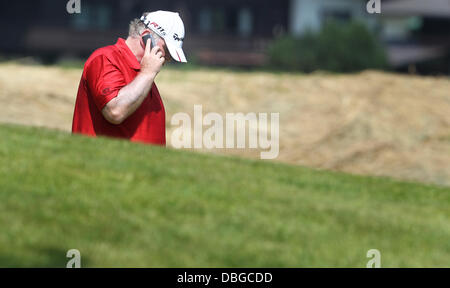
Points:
(170, 27)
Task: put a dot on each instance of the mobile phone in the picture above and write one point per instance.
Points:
(152, 40)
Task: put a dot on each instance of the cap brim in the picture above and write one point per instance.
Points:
(176, 53)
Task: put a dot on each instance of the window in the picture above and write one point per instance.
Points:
(205, 20)
(336, 15)
(219, 21)
(93, 16)
(212, 20)
(245, 22)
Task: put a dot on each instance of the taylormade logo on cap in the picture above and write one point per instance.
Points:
(170, 27)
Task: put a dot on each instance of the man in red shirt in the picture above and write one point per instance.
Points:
(117, 96)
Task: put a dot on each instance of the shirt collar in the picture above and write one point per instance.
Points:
(126, 52)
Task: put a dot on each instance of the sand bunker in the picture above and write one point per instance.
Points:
(368, 123)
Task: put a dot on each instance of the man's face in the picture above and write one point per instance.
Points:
(159, 41)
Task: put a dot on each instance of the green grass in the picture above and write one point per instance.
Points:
(130, 205)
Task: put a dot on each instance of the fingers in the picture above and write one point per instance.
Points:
(155, 49)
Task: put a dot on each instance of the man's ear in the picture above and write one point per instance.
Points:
(144, 33)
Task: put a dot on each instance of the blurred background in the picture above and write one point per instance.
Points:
(414, 34)
(357, 92)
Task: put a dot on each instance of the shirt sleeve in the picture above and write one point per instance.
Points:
(104, 81)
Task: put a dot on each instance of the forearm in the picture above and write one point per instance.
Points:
(129, 98)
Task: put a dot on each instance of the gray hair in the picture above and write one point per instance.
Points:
(137, 27)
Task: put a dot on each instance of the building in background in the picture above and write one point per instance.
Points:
(310, 15)
(218, 32)
(417, 32)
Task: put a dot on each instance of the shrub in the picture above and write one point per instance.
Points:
(337, 47)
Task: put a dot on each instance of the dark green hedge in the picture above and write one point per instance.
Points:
(338, 47)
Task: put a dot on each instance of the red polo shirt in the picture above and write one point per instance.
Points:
(107, 71)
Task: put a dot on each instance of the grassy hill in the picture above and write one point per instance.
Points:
(124, 204)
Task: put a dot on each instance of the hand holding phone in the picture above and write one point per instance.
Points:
(153, 58)
(152, 40)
